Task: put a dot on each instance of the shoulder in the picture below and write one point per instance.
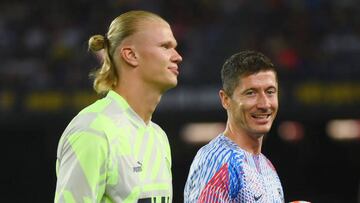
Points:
(79, 137)
(160, 134)
(84, 122)
(105, 116)
(216, 154)
(157, 128)
(221, 149)
(86, 128)
(98, 106)
(218, 159)
(268, 162)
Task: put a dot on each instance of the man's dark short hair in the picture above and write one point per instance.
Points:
(242, 64)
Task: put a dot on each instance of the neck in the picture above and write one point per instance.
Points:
(245, 140)
(142, 99)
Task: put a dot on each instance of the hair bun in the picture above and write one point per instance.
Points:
(96, 43)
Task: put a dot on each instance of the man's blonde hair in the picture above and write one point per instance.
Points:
(106, 77)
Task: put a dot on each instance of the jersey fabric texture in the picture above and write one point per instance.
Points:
(108, 154)
(223, 172)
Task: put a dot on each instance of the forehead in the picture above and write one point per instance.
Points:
(154, 30)
(262, 79)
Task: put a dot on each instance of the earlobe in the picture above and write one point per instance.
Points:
(129, 56)
(224, 99)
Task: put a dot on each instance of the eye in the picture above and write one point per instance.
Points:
(250, 93)
(166, 45)
(271, 91)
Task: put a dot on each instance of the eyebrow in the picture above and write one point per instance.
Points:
(253, 88)
(271, 87)
(169, 42)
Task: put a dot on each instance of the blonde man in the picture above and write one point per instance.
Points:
(112, 151)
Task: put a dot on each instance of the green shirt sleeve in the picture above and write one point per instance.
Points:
(81, 167)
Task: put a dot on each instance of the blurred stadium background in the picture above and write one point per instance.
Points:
(314, 143)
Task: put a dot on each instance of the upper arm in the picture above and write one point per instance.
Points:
(81, 167)
(226, 182)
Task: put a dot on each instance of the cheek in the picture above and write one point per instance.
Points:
(248, 105)
(157, 59)
(242, 111)
(149, 55)
(275, 103)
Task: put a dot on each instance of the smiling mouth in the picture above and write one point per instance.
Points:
(261, 116)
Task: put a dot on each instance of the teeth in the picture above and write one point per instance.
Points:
(261, 116)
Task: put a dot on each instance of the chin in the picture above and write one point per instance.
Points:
(173, 83)
(168, 86)
(261, 131)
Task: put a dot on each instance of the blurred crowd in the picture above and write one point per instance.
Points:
(43, 44)
(43, 48)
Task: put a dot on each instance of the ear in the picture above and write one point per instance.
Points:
(129, 55)
(225, 99)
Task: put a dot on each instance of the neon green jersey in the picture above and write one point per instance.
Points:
(108, 154)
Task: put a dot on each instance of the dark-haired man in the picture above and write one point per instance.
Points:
(231, 168)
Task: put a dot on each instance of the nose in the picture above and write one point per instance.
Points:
(176, 58)
(263, 101)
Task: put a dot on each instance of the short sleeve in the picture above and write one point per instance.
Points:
(81, 167)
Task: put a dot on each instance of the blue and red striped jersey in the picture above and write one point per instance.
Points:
(223, 172)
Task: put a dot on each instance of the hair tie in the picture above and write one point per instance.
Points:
(106, 41)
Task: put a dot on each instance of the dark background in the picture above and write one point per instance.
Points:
(315, 43)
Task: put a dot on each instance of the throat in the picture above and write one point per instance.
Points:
(249, 142)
